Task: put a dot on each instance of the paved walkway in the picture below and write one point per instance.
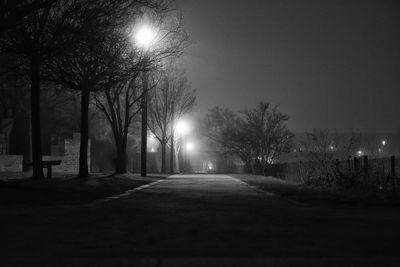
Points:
(207, 184)
(203, 220)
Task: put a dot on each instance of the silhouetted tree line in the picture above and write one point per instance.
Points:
(335, 159)
(83, 46)
(258, 136)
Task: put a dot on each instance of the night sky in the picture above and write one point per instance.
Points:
(329, 64)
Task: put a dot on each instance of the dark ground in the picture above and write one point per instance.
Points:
(198, 220)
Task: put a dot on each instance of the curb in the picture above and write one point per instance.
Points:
(124, 194)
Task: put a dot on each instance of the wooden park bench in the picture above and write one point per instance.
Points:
(47, 164)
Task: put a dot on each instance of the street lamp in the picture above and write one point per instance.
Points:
(144, 38)
(189, 146)
(182, 127)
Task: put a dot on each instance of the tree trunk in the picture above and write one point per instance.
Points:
(172, 150)
(248, 168)
(35, 118)
(163, 156)
(120, 164)
(120, 161)
(83, 152)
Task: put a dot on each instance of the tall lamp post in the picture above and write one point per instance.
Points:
(188, 148)
(172, 151)
(143, 145)
(144, 37)
(182, 128)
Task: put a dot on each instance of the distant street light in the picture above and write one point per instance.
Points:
(189, 146)
(383, 142)
(182, 127)
(144, 37)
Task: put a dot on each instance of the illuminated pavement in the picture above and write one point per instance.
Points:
(206, 185)
(206, 220)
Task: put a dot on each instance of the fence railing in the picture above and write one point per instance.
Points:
(380, 172)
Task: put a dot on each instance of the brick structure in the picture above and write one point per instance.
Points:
(3, 144)
(70, 159)
(11, 163)
(8, 163)
(6, 126)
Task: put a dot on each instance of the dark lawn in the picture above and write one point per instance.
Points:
(318, 195)
(67, 190)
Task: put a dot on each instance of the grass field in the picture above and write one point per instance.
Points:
(320, 195)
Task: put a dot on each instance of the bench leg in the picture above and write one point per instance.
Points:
(49, 171)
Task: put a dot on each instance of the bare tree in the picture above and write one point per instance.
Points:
(92, 63)
(13, 86)
(170, 100)
(121, 99)
(327, 154)
(258, 136)
(226, 132)
(40, 35)
(120, 104)
(267, 133)
(13, 12)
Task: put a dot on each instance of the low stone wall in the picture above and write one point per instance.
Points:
(11, 163)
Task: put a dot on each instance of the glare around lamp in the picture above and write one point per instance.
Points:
(145, 37)
(182, 127)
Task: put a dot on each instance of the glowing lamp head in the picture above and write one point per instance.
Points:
(145, 37)
(383, 142)
(189, 146)
(182, 127)
(210, 167)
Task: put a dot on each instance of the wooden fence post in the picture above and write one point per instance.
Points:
(349, 164)
(365, 167)
(355, 159)
(393, 171)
